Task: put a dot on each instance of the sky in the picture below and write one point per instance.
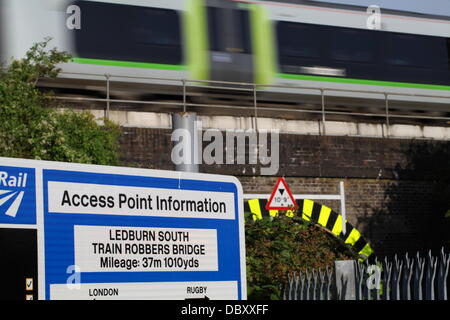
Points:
(438, 7)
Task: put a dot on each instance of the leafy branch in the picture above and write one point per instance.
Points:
(31, 128)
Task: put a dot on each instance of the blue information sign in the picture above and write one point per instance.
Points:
(122, 233)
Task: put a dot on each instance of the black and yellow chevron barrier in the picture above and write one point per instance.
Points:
(319, 214)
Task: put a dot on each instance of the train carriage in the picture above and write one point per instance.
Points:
(276, 45)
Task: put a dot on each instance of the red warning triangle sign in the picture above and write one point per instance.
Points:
(281, 197)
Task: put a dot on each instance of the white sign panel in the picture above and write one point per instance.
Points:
(138, 201)
(221, 290)
(102, 249)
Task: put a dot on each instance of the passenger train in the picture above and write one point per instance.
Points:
(277, 43)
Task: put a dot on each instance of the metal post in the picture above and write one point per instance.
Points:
(185, 153)
(343, 210)
(387, 115)
(345, 279)
(442, 273)
(184, 94)
(107, 96)
(323, 111)
(255, 105)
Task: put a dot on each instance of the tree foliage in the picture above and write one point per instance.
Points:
(279, 245)
(32, 126)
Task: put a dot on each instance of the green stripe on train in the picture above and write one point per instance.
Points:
(128, 64)
(363, 82)
(324, 217)
(199, 71)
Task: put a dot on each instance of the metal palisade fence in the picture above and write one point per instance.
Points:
(406, 278)
(311, 285)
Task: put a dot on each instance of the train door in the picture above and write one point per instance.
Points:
(230, 43)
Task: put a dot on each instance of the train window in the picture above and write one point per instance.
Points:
(156, 27)
(448, 52)
(353, 45)
(128, 33)
(215, 43)
(229, 30)
(298, 40)
(415, 51)
(241, 22)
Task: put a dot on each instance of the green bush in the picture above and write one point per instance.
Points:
(279, 245)
(32, 127)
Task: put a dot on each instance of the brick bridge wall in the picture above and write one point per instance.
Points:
(393, 186)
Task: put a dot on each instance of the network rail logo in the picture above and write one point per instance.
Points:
(7, 180)
(17, 195)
